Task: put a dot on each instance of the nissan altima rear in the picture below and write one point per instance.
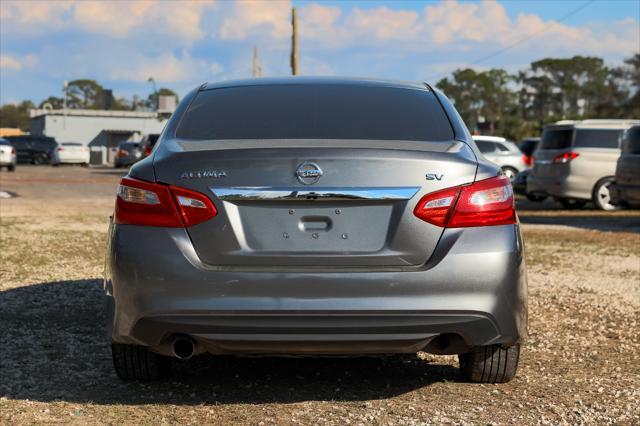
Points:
(315, 217)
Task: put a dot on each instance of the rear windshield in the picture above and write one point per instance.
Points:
(527, 146)
(556, 138)
(316, 112)
(597, 138)
(631, 143)
(4, 142)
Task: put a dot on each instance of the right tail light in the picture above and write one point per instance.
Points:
(565, 157)
(488, 202)
(153, 204)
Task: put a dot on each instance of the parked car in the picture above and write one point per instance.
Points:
(625, 190)
(127, 154)
(33, 149)
(70, 153)
(576, 162)
(7, 155)
(502, 152)
(148, 142)
(315, 216)
(528, 146)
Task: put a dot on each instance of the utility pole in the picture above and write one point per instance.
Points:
(155, 93)
(65, 86)
(294, 42)
(257, 70)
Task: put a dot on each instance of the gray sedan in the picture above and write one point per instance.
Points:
(315, 216)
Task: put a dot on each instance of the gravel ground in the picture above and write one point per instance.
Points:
(580, 364)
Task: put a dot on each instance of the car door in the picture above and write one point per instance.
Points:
(597, 152)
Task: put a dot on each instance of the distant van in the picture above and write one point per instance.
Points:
(576, 162)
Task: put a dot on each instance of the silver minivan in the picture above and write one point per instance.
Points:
(576, 162)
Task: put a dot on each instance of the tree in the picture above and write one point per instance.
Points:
(481, 98)
(84, 94)
(56, 103)
(16, 115)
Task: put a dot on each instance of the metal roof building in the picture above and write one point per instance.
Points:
(95, 127)
(101, 130)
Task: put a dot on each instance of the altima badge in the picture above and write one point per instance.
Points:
(308, 173)
(203, 174)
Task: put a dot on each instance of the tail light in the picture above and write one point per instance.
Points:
(147, 150)
(13, 150)
(122, 153)
(152, 204)
(60, 149)
(565, 157)
(487, 202)
(528, 161)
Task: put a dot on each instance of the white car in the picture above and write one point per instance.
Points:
(504, 153)
(70, 153)
(7, 155)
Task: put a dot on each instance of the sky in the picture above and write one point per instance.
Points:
(184, 43)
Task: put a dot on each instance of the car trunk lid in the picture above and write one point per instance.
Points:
(275, 208)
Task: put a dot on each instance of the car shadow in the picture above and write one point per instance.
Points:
(549, 212)
(54, 348)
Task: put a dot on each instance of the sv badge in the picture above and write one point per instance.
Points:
(434, 176)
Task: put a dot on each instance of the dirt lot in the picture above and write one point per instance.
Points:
(581, 363)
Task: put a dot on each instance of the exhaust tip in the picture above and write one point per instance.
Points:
(183, 347)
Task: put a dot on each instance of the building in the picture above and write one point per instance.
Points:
(101, 130)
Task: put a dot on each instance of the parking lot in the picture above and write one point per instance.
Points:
(581, 362)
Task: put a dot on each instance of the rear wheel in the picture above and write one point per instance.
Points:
(134, 362)
(490, 364)
(601, 195)
(11, 168)
(572, 204)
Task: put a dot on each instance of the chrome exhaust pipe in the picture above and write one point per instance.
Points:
(183, 347)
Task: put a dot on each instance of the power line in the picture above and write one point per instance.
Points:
(522, 40)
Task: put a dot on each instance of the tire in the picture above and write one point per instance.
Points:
(601, 196)
(536, 198)
(510, 172)
(40, 159)
(133, 362)
(11, 168)
(490, 364)
(572, 204)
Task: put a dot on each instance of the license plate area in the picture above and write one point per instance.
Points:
(315, 227)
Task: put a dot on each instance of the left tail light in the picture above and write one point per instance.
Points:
(565, 157)
(487, 202)
(122, 153)
(152, 204)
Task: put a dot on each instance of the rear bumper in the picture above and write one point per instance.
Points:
(621, 193)
(471, 293)
(557, 187)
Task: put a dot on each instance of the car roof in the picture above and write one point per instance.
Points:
(279, 81)
(489, 138)
(595, 124)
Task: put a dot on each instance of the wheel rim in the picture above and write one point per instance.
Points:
(604, 196)
(510, 174)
